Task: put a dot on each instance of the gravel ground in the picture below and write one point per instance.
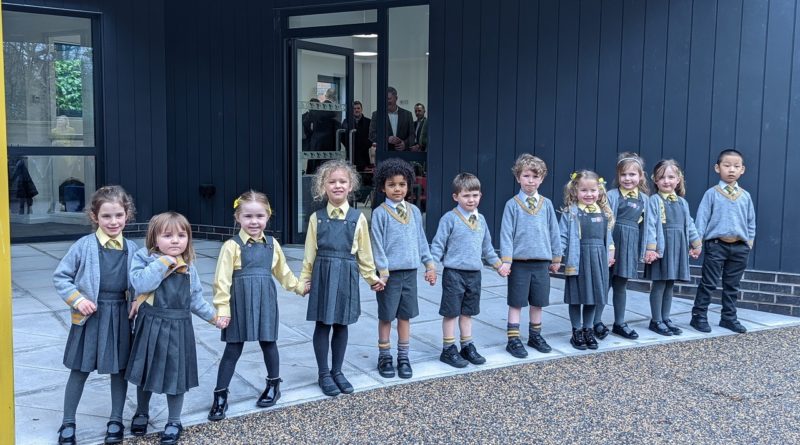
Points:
(733, 389)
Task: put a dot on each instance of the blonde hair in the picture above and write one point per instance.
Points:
(661, 169)
(530, 162)
(113, 194)
(169, 220)
(251, 196)
(571, 192)
(629, 159)
(325, 170)
(466, 182)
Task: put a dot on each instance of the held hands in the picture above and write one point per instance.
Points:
(695, 253)
(134, 309)
(504, 269)
(86, 307)
(650, 256)
(554, 267)
(307, 288)
(223, 322)
(611, 259)
(379, 286)
(430, 277)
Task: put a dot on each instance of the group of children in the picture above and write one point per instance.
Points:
(131, 308)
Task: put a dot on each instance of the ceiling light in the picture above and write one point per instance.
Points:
(365, 47)
(366, 36)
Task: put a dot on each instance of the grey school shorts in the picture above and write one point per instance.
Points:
(461, 293)
(529, 283)
(399, 298)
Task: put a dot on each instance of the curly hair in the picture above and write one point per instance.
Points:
(571, 192)
(114, 194)
(326, 169)
(390, 168)
(661, 169)
(527, 161)
(629, 159)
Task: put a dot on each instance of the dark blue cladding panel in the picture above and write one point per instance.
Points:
(630, 93)
(654, 80)
(587, 84)
(546, 80)
(566, 91)
(470, 81)
(676, 82)
(609, 86)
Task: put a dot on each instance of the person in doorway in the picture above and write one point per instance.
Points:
(361, 143)
(399, 124)
(420, 129)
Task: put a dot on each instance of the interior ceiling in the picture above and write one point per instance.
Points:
(28, 27)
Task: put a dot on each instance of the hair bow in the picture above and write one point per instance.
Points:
(573, 175)
(236, 202)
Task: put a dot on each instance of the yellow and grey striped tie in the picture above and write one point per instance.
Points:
(631, 194)
(531, 202)
(401, 210)
(591, 208)
(729, 190)
(336, 214)
(473, 219)
(113, 244)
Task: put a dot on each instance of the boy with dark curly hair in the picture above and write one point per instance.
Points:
(398, 245)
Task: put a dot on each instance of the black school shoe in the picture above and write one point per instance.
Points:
(700, 324)
(471, 354)
(404, 368)
(219, 406)
(344, 386)
(516, 348)
(452, 357)
(577, 340)
(115, 431)
(673, 327)
(733, 325)
(171, 434)
(659, 328)
(66, 434)
(600, 330)
(328, 386)
(139, 424)
(385, 367)
(624, 331)
(537, 342)
(588, 338)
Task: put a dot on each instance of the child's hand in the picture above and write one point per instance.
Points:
(611, 260)
(504, 270)
(307, 288)
(134, 309)
(650, 256)
(554, 267)
(695, 253)
(430, 277)
(86, 307)
(377, 287)
(223, 322)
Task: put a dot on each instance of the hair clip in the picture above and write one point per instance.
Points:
(600, 180)
(236, 202)
(573, 175)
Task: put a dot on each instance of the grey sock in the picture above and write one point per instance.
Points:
(119, 389)
(657, 299)
(174, 406)
(402, 349)
(588, 315)
(143, 400)
(72, 394)
(619, 286)
(666, 302)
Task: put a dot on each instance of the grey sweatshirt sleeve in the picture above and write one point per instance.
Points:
(439, 244)
(488, 250)
(422, 240)
(507, 233)
(64, 275)
(377, 230)
(199, 306)
(147, 271)
(555, 233)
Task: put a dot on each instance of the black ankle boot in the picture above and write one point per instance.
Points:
(220, 405)
(271, 394)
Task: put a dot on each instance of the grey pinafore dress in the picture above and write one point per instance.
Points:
(254, 301)
(627, 238)
(103, 343)
(590, 286)
(164, 356)
(674, 264)
(334, 297)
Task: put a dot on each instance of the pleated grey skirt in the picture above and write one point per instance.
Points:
(254, 310)
(103, 342)
(334, 297)
(163, 356)
(627, 254)
(590, 286)
(674, 265)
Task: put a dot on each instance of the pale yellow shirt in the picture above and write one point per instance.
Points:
(230, 259)
(362, 247)
(104, 240)
(624, 192)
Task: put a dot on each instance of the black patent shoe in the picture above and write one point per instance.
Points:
(139, 424)
(115, 431)
(537, 342)
(66, 434)
(624, 331)
(271, 394)
(659, 328)
(219, 406)
(328, 386)
(600, 330)
(471, 354)
(588, 338)
(673, 327)
(404, 368)
(516, 348)
(700, 323)
(577, 340)
(171, 434)
(344, 385)
(385, 367)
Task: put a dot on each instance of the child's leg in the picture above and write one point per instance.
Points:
(589, 315)
(619, 286)
(535, 325)
(174, 407)
(713, 261)
(119, 389)
(597, 317)
(73, 393)
(448, 332)
(657, 299)
(465, 327)
(384, 338)
(666, 302)
(512, 330)
(321, 341)
(142, 400)
(732, 271)
(271, 358)
(338, 347)
(227, 365)
(575, 315)
(403, 338)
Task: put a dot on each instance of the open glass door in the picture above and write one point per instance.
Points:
(322, 88)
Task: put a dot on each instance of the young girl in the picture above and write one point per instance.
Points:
(92, 279)
(163, 356)
(246, 298)
(670, 230)
(586, 239)
(337, 250)
(627, 203)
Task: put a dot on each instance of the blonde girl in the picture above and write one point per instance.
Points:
(92, 279)
(586, 239)
(671, 238)
(337, 250)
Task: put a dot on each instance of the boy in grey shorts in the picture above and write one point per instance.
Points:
(398, 246)
(461, 242)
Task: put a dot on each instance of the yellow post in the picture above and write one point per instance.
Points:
(6, 341)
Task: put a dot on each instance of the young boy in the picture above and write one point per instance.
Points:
(398, 245)
(726, 222)
(461, 242)
(530, 238)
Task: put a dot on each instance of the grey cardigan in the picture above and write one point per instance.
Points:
(570, 229)
(654, 232)
(78, 274)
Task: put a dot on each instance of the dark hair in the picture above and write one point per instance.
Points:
(729, 152)
(391, 90)
(358, 102)
(419, 104)
(110, 193)
(392, 167)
